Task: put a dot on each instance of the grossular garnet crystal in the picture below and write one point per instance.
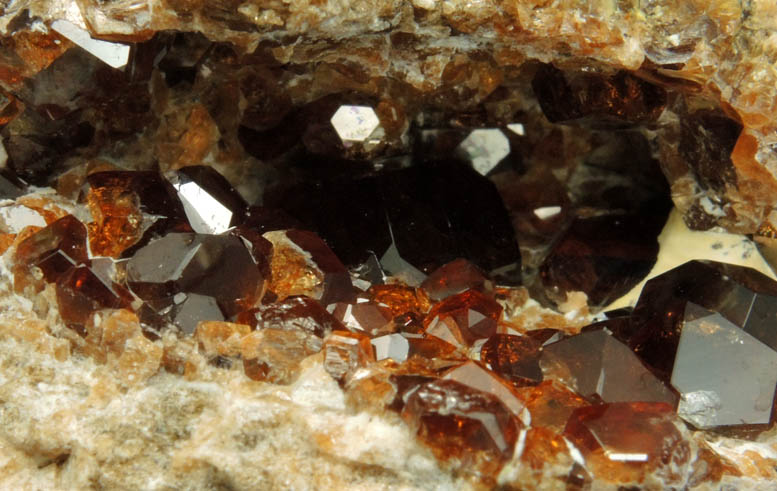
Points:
(708, 329)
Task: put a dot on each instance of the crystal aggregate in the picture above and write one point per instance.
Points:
(358, 255)
(441, 353)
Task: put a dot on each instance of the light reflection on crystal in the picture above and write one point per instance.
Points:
(485, 148)
(355, 123)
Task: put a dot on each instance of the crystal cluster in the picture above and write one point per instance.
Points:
(254, 190)
(617, 401)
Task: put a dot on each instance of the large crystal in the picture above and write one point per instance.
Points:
(601, 367)
(218, 266)
(464, 318)
(55, 249)
(705, 307)
(423, 216)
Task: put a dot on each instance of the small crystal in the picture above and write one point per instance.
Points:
(55, 248)
(514, 357)
(468, 316)
(355, 123)
(452, 278)
(550, 404)
(367, 317)
(344, 352)
(474, 375)
(274, 355)
(462, 423)
(80, 292)
(300, 312)
(485, 148)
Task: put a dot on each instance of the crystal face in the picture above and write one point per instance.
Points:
(737, 388)
(355, 123)
(602, 367)
(211, 204)
(624, 441)
(414, 220)
(218, 266)
(485, 148)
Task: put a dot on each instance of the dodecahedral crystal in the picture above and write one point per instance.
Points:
(416, 219)
(623, 442)
(597, 98)
(601, 367)
(219, 266)
(80, 292)
(704, 307)
(394, 346)
(464, 318)
(211, 204)
(55, 249)
(474, 375)
(514, 357)
(462, 423)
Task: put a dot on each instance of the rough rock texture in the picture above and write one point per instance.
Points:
(720, 54)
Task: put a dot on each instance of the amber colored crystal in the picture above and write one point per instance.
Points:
(54, 249)
(344, 352)
(302, 264)
(337, 281)
(400, 299)
(220, 338)
(543, 447)
(476, 376)
(80, 292)
(298, 312)
(121, 202)
(452, 278)
(624, 442)
(273, 355)
(462, 424)
(117, 220)
(468, 316)
(550, 404)
(515, 358)
(598, 98)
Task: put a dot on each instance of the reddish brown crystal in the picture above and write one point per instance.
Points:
(623, 442)
(400, 299)
(452, 278)
(55, 249)
(462, 424)
(292, 313)
(463, 318)
(514, 357)
(367, 317)
(598, 98)
(80, 292)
